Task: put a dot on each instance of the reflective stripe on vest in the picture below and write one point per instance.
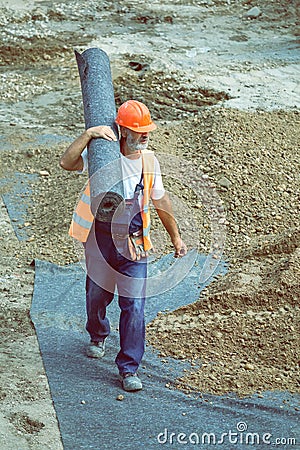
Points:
(82, 219)
(148, 180)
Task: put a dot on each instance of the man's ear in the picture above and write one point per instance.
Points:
(123, 132)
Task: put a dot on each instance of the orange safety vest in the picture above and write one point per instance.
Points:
(83, 218)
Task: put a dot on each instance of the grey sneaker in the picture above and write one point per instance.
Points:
(95, 349)
(131, 382)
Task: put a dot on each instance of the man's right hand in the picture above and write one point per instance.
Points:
(102, 131)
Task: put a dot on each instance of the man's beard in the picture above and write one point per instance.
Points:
(134, 145)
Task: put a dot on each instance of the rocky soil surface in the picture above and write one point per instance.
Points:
(226, 100)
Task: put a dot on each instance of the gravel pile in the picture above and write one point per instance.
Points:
(242, 336)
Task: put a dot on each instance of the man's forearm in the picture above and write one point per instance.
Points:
(165, 212)
(71, 159)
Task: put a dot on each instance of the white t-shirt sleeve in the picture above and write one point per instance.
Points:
(158, 190)
(84, 156)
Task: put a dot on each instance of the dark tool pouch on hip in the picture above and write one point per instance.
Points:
(127, 228)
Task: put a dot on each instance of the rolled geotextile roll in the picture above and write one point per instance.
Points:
(104, 161)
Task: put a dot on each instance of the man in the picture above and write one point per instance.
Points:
(120, 260)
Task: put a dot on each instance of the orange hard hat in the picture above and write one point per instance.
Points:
(135, 116)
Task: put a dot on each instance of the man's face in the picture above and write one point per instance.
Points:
(136, 141)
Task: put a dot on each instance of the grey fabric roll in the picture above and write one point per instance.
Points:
(104, 161)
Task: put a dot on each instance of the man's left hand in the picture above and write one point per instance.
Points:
(180, 248)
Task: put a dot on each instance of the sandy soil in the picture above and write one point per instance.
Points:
(227, 102)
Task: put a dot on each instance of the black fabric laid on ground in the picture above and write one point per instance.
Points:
(84, 390)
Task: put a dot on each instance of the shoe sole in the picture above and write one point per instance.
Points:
(93, 353)
(95, 356)
(139, 387)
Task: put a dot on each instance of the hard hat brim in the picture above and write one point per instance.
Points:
(144, 129)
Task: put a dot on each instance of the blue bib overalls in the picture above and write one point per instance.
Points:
(109, 267)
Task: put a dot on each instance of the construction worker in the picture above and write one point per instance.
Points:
(113, 260)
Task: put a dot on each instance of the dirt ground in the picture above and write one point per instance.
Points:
(229, 107)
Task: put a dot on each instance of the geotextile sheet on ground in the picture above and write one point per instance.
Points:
(85, 391)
